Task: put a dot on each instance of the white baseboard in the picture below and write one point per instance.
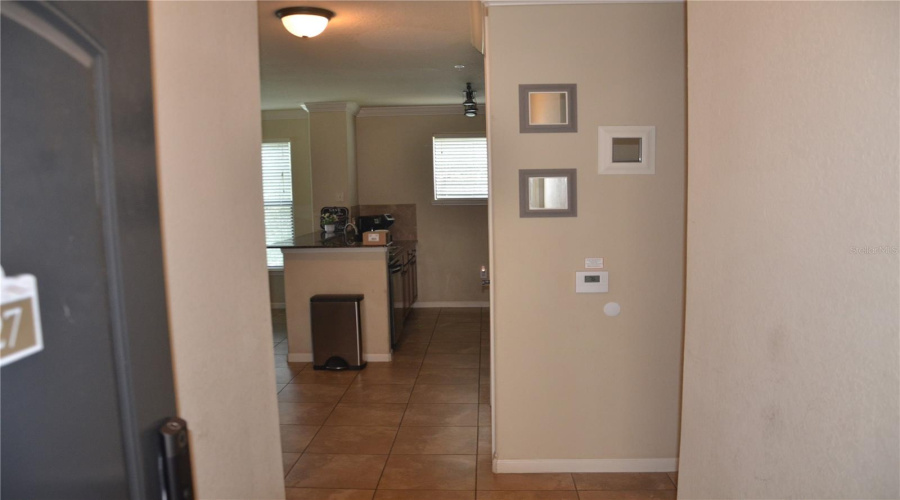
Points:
(377, 358)
(278, 305)
(587, 465)
(450, 304)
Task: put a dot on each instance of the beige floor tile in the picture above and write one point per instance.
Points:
(295, 438)
(455, 348)
(630, 481)
(353, 440)
(384, 373)
(674, 477)
(436, 441)
(284, 374)
(418, 326)
(484, 393)
(387, 415)
(460, 311)
(628, 495)
(311, 393)
(377, 393)
(399, 356)
(320, 494)
(417, 334)
(457, 325)
(464, 336)
(451, 360)
(327, 377)
(337, 471)
(304, 413)
(430, 374)
(288, 460)
(484, 441)
(414, 363)
(464, 393)
(410, 347)
(424, 495)
(484, 415)
(441, 415)
(428, 472)
(527, 495)
(487, 480)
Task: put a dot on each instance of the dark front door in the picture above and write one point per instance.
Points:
(80, 212)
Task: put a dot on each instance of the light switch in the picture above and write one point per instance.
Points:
(593, 263)
(591, 281)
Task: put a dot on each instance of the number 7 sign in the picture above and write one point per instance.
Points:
(21, 334)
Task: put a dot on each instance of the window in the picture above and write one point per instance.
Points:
(460, 169)
(278, 198)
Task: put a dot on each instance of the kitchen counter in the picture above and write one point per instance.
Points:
(337, 240)
(314, 264)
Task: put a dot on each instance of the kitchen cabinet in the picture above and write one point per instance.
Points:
(410, 285)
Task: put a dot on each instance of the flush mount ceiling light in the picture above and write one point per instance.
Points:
(470, 108)
(305, 22)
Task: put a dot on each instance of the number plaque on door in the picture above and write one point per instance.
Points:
(21, 333)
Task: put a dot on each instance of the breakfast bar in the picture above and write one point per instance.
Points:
(322, 263)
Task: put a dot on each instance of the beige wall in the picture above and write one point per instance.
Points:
(575, 387)
(206, 85)
(791, 346)
(295, 130)
(395, 167)
(333, 155)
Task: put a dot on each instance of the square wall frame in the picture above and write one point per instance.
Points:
(646, 160)
(568, 122)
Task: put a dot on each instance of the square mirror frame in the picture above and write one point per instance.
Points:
(525, 125)
(571, 176)
(647, 165)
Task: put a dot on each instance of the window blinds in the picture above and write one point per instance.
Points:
(460, 167)
(278, 198)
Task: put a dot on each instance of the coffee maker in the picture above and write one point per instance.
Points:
(373, 222)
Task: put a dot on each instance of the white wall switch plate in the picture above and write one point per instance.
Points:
(591, 281)
(593, 263)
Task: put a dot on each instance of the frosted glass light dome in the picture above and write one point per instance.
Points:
(305, 22)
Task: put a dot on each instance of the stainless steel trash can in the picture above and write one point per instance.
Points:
(337, 332)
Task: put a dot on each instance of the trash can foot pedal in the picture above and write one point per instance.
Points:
(339, 363)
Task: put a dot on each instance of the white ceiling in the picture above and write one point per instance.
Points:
(374, 53)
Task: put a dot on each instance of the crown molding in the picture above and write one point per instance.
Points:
(284, 114)
(443, 109)
(331, 107)
(514, 3)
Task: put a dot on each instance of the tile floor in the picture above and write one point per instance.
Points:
(417, 427)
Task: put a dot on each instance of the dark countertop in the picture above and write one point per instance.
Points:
(338, 240)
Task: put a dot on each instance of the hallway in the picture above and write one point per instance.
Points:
(419, 423)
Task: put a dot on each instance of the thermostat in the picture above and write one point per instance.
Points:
(591, 281)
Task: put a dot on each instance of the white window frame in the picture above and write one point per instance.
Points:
(277, 269)
(458, 201)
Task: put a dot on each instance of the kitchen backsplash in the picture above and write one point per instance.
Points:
(404, 227)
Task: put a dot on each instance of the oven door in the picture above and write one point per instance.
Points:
(396, 300)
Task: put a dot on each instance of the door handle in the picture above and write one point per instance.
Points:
(175, 461)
